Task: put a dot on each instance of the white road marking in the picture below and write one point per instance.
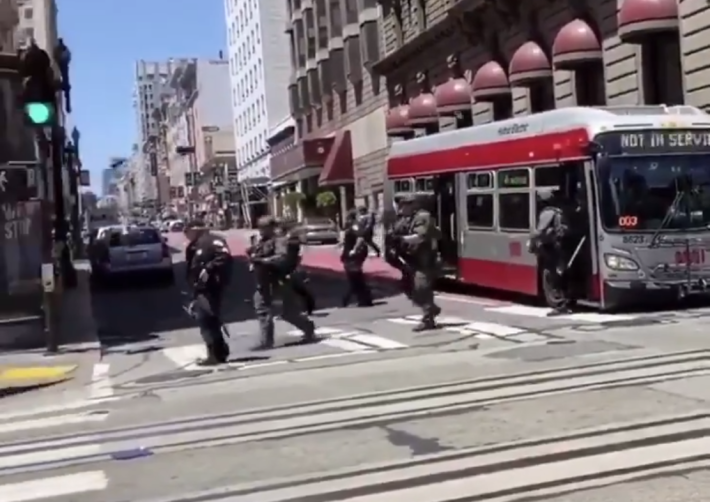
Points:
(332, 356)
(482, 330)
(523, 310)
(376, 341)
(474, 301)
(58, 486)
(185, 356)
(57, 421)
(40, 410)
(333, 337)
(100, 386)
(403, 320)
(491, 328)
(13, 457)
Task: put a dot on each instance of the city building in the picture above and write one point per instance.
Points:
(151, 84)
(38, 23)
(260, 72)
(337, 101)
(198, 133)
(110, 176)
(469, 62)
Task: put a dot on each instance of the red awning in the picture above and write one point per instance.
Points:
(338, 167)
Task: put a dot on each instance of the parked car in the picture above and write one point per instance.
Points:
(176, 226)
(123, 250)
(318, 230)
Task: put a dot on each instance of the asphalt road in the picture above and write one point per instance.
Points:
(500, 404)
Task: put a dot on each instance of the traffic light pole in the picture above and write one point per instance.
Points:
(49, 270)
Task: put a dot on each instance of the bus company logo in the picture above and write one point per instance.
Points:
(690, 257)
(513, 129)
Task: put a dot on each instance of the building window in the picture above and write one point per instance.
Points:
(28, 13)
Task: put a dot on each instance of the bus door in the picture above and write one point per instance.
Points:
(446, 198)
(587, 262)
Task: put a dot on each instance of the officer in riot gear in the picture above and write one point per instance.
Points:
(421, 244)
(353, 256)
(396, 227)
(209, 267)
(553, 242)
(287, 230)
(272, 265)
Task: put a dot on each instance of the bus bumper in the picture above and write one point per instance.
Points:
(621, 294)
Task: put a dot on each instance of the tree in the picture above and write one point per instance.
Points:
(293, 201)
(327, 201)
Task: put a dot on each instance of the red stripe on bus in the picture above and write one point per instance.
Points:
(512, 277)
(538, 149)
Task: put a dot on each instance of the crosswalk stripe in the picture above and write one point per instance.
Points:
(12, 457)
(184, 356)
(58, 486)
(56, 421)
(591, 317)
(376, 341)
(491, 328)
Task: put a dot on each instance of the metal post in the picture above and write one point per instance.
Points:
(192, 163)
(49, 271)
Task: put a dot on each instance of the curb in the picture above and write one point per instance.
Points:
(31, 376)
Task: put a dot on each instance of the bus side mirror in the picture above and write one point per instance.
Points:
(594, 148)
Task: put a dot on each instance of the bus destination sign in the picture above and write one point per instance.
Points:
(664, 141)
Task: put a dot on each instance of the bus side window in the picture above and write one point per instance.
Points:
(514, 211)
(550, 177)
(479, 210)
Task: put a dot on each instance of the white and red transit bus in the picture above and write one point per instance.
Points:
(640, 174)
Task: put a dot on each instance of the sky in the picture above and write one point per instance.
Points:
(105, 38)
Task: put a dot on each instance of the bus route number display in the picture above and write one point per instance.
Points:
(628, 221)
(669, 141)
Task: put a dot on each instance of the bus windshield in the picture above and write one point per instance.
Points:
(637, 193)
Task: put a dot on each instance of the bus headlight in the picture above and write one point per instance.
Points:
(616, 262)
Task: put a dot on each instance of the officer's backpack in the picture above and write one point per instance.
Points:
(559, 230)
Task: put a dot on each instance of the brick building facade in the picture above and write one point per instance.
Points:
(452, 63)
(338, 103)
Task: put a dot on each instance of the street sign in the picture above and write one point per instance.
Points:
(17, 182)
(84, 178)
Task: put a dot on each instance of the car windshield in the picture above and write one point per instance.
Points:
(638, 193)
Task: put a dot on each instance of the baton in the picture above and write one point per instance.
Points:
(576, 251)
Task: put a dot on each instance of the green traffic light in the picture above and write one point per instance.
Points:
(39, 113)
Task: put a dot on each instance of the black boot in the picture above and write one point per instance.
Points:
(263, 345)
(427, 324)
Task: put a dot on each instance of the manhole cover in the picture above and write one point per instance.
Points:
(560, 350)
(172, 376)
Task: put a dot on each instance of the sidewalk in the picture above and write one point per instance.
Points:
(23, 365)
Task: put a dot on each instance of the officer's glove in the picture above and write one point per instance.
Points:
(204, 276)
(190, 309)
